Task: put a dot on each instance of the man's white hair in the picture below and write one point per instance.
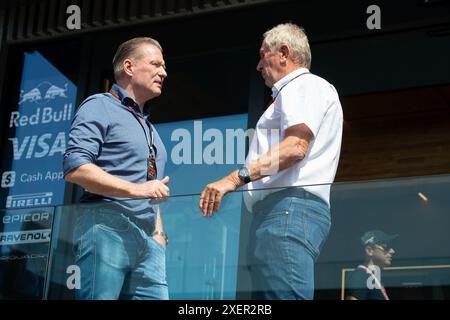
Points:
(294, 37)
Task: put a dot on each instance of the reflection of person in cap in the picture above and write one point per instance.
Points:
(365, 281)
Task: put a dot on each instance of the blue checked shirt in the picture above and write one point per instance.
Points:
(105, 132)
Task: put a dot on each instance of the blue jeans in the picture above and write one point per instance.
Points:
(117, 259)
(288, 231)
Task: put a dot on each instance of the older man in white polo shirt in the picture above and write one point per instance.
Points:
(294, 152)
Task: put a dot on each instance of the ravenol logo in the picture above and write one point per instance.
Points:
(43, 93)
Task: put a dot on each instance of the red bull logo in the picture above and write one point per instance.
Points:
(43, 93)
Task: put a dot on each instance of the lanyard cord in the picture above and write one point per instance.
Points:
(383, 290)
(272, 100)
(301, 74)
(149, 143)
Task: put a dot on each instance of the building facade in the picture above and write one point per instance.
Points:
(393, 77)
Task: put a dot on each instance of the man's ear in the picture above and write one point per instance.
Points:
(369, 251)
(128, 67)
(285, 52)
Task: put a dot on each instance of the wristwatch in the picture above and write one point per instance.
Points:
(162, 234)
(244, 175)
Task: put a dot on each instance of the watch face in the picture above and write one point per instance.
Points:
(244, 174)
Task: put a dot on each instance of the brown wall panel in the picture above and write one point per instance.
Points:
(403, 138)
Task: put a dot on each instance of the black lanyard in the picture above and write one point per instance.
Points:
(149, 140)
(301, 74)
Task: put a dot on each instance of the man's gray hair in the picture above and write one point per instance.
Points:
(294, 37)
(130, 50)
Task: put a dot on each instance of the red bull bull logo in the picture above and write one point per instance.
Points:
(43, 93)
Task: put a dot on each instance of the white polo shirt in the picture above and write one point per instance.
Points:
(300, 98)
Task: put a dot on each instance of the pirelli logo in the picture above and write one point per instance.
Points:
(23, 237)
(29, 200)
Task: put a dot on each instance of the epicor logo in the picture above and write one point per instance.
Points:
(8, 179)
(43, 93)
(27, 217)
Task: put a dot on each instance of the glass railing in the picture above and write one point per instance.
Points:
(415, 209)
(44, 256)
(201, 256)
(24, 250)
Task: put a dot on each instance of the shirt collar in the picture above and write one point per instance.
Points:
(125, 98)
(285, 80)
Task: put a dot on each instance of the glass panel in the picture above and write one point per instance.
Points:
(38, 109)
(24, 247)
(415, 209)
(207, 149)
(32, 164)
(201, 258)
(214, 258)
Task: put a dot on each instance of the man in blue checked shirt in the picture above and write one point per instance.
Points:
(117, 156)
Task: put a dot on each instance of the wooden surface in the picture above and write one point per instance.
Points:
(396, 134)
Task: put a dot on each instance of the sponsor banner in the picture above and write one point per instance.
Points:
(22, 237)
(32, 174)
(29, 200)
(25, 236)
(15, 217)
(25, 226)
(23, 257)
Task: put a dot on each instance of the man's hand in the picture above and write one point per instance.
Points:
(213, 193)
(153, 189)
(96, 180)
(160, 240)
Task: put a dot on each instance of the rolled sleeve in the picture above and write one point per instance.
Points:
(87, 135)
